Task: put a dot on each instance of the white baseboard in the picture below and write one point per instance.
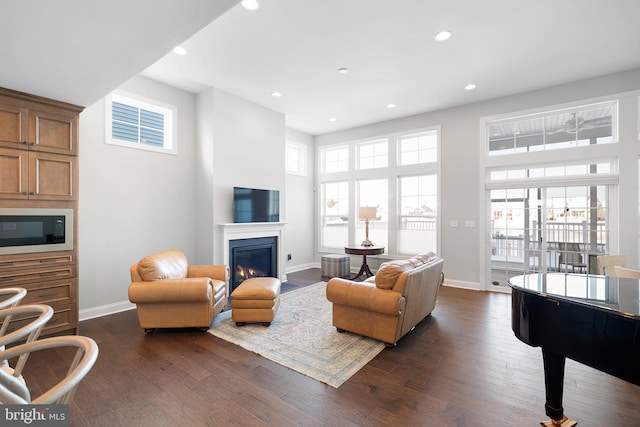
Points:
(301, 267)
(104, 310)
(474, 286)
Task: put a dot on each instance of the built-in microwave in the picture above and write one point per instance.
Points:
(29, 230)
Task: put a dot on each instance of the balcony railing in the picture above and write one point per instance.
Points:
(563, 242)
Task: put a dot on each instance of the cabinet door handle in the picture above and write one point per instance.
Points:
(33, 143)
(52, 273)
(33, 193)
(49, 260)
(7, 263)
(25, 142)
(48, 295)
(24, 193)
(7, 279)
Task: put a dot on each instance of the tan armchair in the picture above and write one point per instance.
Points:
(169, 293)
(390, 304)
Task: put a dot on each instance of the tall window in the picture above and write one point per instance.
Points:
(335, 213)
(418, 214)
(137, 123)
(399, 175)
(373, 192)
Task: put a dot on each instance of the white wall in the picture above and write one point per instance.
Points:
(248, 151)
(132, 202)
(461, 147)
(301, 209)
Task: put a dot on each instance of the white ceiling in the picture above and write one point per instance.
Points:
(78, 51)
(503, 46)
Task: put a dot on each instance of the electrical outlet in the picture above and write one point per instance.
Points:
(288, 257)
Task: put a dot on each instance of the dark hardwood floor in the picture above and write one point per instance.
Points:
(461, 366)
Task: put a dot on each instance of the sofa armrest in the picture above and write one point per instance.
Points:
(218, 272)
(365, 296)
(171, 290)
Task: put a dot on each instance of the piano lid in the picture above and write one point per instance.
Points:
(606, 292)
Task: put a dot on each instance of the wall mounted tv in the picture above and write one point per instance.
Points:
(255, 205)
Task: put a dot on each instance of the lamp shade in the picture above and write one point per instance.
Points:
(367, 212)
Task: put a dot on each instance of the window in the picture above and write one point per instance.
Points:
(335, 213)
(399, 175)
(335, 159)
(568, 128)
(550, 213)
(373, 154)
(419, 148)
(373, 192)
(295, 158)
(418, 207)
(140, 123)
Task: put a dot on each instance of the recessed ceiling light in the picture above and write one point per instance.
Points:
(470, 86)
(343, 70)
(179, 50)
(442, 36)
(332, 119)
(276, 94)
(250, 4)
(391, 105)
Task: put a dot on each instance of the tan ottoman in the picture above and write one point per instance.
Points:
(255, 300)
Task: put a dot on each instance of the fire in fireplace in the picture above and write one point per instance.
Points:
(254, 257)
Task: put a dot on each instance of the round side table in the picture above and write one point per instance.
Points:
(364, 251)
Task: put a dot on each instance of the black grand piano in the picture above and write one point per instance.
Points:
(594, 320)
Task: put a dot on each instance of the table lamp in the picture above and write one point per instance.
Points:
(367, 213)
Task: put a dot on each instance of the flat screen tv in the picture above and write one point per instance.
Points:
(255, 205)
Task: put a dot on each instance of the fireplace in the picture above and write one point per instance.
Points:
(252, 257)
(253, 230)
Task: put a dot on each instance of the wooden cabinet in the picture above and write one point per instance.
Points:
(39, 169)
(48, 129)
(49, 278)
(38, 176)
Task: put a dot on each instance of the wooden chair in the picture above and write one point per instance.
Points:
(14, 391)
(28, 323)
(628, 273)
(606, 262)
(12, 296)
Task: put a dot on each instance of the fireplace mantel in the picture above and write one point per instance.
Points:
(249, 230)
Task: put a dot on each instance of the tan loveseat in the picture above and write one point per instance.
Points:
(169, 293)
(391, 303)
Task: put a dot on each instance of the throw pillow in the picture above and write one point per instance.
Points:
(389, 272)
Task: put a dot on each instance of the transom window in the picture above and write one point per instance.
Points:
(559, 129)
(551, 171)
(137, 123)
(335, 159)
(295, 156)
(373, 154)
(419, 148)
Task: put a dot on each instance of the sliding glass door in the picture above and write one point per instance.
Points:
(540, 229)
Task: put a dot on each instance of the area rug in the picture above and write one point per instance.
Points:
(302, 338)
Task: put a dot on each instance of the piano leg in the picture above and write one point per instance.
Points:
(554, 383)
